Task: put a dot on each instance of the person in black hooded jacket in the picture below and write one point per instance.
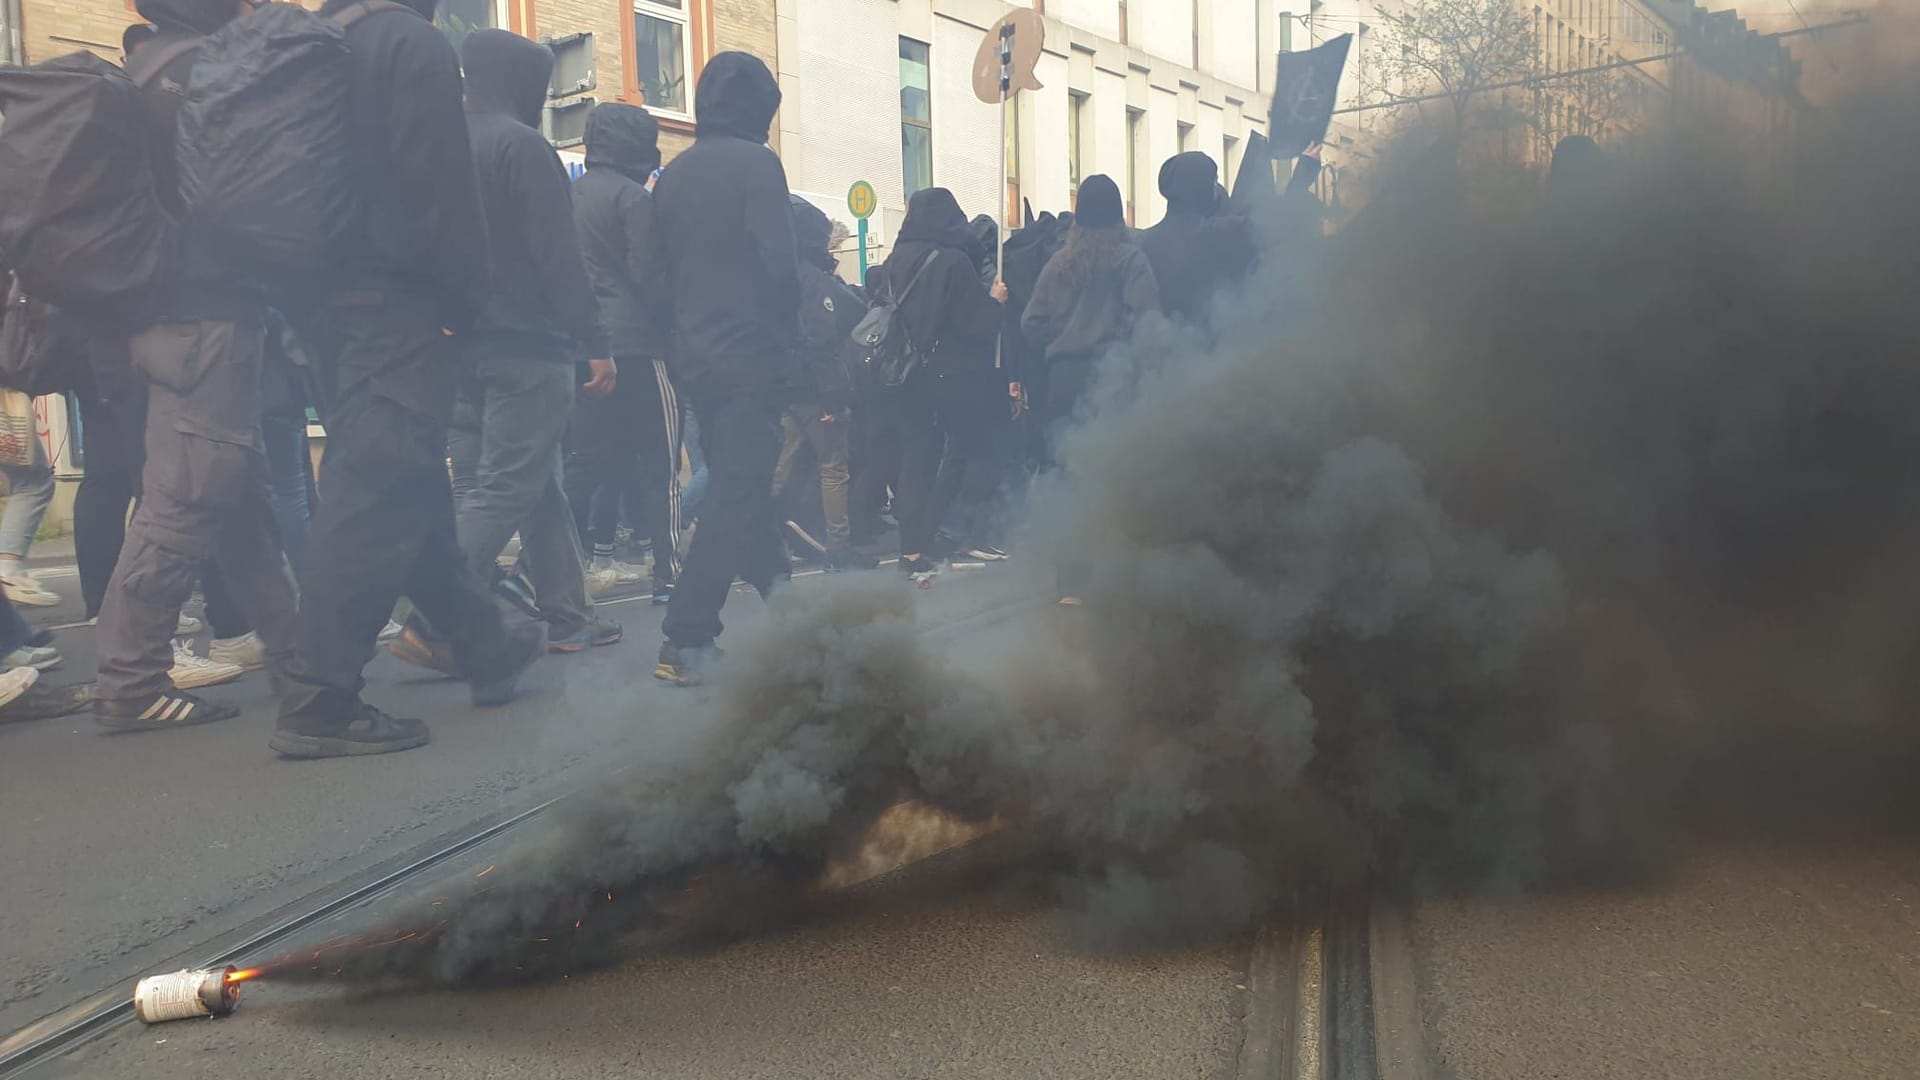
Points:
(1198, 248)
(540, 318)
(628, 442)
(386, 364)
(954, 317)
(730, 292)
(204, 477)
(823, 412)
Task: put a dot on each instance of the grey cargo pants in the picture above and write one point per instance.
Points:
(204, 492)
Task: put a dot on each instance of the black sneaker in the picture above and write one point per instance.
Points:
(525, 645)
(987, 552)
(43, 702)
(369, 731)
(686, 666)
(918, 565)
(167, 709)
(596, 632)
(662, 591)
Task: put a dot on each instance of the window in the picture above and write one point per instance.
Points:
(662, 62)
(1076, 114)
(458, 18)
(1229, 160)
(1185, 137)
(1134, 120)
(916, 119)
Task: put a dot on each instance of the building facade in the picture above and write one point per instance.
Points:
(882, 91)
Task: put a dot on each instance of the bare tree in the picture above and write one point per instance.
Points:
(1458, 49)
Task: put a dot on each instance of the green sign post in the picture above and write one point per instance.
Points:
(862, 201)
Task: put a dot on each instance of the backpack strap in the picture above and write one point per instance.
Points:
(913, 278)
(147, 64)
(354, 12)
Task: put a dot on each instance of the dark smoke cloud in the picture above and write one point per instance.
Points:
(1497, 539)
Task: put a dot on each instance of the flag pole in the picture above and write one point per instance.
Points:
(1000, 228)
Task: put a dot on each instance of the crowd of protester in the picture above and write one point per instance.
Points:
(499, 353)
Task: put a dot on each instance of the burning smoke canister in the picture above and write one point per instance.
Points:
(184, 994)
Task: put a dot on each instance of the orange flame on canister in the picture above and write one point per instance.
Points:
(242, 975)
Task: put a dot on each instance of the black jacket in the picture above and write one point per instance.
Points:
(613, 214)
(1197, 249)
(203, 289)
(950, 313)
(828, 313)
(424, 235)
(729, 286)
(539, 305)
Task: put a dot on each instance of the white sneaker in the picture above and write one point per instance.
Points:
(22, 589)
(246, 652)
(615, 575)
(391, 630)
(190, 672)
(16, 682)
(39, 659)
(188, 625)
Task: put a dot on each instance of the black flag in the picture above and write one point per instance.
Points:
(1305, 85)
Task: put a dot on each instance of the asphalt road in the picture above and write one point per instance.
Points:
(126, 852)
(910, 981)
(1750, 963)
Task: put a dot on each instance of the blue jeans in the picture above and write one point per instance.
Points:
(29, 493)
(289, 475)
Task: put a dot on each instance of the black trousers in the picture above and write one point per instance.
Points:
(739, 529)
(627, 446)
(113, 426)
(944, 431)
(385, 376)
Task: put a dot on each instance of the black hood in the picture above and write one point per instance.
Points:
(812, 233)
(1187, 181)
(624, 138)
(506, 74)
(934, 217)
(200, 16)
(737, 96)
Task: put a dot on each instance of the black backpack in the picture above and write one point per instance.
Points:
(263, 143)
(885, 345)
(80, 220)
(42, 350)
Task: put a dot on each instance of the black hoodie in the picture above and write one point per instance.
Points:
(540, 305)
(613, 213)
(1197, 249)
(950, 311)
(828, 313)
(729, 283)
(424, 235)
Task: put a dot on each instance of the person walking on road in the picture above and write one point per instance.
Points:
(629, 441)
(539, 317)
(1089, 298)
(204, 486)
(829, 311)
(730, 291)
(387, 359)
